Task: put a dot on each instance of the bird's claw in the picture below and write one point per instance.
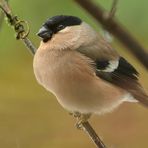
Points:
(81, 118)
(76, 114)
(79, 123)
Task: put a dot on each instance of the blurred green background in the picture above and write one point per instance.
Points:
(30, 117)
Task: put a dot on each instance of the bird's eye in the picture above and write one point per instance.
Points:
(60, 27)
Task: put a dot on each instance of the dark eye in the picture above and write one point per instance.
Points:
(60, 27)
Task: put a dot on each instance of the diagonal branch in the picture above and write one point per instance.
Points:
(114, 27)
(1, 17)
(92, 134)
(18, 26)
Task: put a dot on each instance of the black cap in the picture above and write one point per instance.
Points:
(55, 24)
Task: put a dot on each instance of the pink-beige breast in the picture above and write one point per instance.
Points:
(71, 78)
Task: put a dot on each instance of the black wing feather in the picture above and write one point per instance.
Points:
(124, 69)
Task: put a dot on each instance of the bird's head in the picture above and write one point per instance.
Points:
(56, 25)
(65, 31)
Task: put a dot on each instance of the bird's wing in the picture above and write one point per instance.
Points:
(116, 70)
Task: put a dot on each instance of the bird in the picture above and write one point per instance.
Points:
(81, 68)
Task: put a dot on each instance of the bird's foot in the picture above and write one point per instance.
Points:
(81, 118)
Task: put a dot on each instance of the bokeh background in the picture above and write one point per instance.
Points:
(30, 117)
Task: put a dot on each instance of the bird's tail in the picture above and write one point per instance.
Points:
(139, 94)
(136, 90)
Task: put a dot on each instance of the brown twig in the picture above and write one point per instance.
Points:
(1, 18)
(83, 124)
(113, 9)
(92, 134)
(18, 26)
(114, 27)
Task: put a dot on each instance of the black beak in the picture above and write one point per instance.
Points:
(45, 33)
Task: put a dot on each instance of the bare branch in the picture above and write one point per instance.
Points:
(113, 9)
(4, 5)
(18, 26)
(92, 134)
(83, 124)
(114, 27)
(1, 17)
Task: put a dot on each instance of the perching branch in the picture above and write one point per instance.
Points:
(18, 26)
(92, 134)
(114, 27)
(82, 123)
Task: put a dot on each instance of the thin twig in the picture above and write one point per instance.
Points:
(92, 134)
(113, 9)
(109, 15)
(17, 25)
(29, 45)
(4, 5)
(114, 27)
(1, 18)
(83, 124)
